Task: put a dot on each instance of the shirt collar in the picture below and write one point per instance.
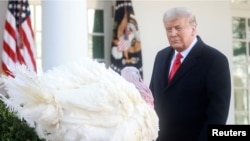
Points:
(186, 51)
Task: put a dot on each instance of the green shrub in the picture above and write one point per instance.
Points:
(13, 129)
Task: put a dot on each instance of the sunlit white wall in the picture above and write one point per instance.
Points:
(214, 27)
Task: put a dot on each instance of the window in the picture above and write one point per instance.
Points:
(241, 68)
(36, 19)
(96, 34)
(240, 1)
(99, 30)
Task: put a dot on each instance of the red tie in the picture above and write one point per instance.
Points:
(176, 65)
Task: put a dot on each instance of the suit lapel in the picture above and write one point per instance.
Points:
(166, 61)
(187, 64)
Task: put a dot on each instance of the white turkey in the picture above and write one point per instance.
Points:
(80, 101)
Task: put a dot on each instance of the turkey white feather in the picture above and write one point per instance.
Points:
(80, 101)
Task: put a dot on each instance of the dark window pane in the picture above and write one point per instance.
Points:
(240, 75)
(98, 47)
(239, 52)
(239, 28)
(240, 99)
(248, 48)
(98, 21)
(241, 118)
(248, 29)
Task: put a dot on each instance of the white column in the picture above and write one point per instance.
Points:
(3, 11)
(64, 32)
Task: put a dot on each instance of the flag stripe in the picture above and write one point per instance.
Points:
(6, 70)
(28, 43)
(11, 54)
(9, 35)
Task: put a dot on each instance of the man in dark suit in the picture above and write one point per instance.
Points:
(199, 92)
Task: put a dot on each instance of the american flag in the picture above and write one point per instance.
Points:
(18, 43)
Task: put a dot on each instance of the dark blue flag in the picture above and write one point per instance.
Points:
(126, 42)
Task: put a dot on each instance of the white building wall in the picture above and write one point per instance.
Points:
(214, 27)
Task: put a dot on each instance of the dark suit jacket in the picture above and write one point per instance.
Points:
(198, 95)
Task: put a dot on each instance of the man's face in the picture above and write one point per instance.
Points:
(180, 33)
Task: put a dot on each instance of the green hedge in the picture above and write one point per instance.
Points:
(13, 129)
